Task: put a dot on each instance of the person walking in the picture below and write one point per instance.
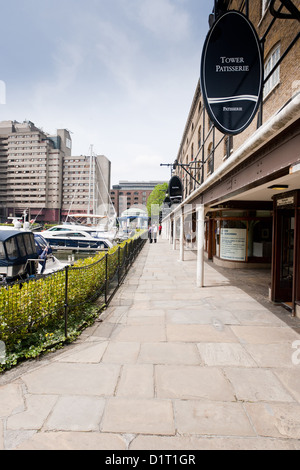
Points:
(154, 231)
(150, 234)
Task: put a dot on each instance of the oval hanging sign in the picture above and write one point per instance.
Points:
(175, 188)
(232, 73)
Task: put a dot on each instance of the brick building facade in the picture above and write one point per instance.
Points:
(248, 185)
(131, 193)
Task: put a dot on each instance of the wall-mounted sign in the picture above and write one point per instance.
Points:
(233, 244)
(232, 73)
(286, 201)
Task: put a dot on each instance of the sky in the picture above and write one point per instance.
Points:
(119, 74)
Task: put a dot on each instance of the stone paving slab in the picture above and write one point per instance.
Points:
(191, 382)
(212, 418)
(225, 354)
(74, 441)
(161, 443)
(67, 379)
(139, 416)
(278, 420)
(200, 333)
(76, 413)
(169, 353)
(252, 384)
(136, 380)
(34, 413)
(168, 367)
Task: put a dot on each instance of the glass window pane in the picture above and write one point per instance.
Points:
(21, 245)
(2, 251)
(12, 249)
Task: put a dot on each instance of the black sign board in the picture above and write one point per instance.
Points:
(175, 190)
(232, 73)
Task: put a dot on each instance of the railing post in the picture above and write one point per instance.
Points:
(106, 278)
(66, 300)
(119, 249)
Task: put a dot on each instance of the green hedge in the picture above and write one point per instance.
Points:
(38, 303)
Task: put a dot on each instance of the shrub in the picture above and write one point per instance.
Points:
(36, 305)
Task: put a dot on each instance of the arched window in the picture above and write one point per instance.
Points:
(199, 137)
(270, 63)
(264, 6)
(210, 159)
(228, 146)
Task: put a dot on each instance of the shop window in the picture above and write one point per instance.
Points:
(260, 239)
(243, 240)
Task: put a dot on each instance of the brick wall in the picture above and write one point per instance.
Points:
(283, 32)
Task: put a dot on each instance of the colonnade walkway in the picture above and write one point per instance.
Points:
(168, 366)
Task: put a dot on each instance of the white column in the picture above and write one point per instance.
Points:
(200, 244)
(174, 232)
(181, 246)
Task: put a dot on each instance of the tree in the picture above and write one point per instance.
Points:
(157, 196)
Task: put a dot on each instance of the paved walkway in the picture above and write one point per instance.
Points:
(170, 367)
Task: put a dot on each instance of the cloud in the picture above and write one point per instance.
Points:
(164, 19)
(117, 52)
(120, 74)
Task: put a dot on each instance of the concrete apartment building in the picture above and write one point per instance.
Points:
(86, 183)
(131, 193)
(38, 174)
(247, 186)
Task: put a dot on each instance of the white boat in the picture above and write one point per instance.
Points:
(131, 220)
(75, 238)
(97, 225)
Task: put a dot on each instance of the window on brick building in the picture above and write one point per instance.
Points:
(265, 6)
(210, 160)
(228, 146)
(270, 63)
(199, 137)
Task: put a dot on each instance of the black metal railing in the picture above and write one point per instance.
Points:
(40, 303)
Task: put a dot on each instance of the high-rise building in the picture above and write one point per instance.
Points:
(86, 183)
(39, 175)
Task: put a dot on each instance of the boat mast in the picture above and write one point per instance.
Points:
(90, 181)
(94, 188)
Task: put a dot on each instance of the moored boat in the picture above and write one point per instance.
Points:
(69, 237)
(24, 254)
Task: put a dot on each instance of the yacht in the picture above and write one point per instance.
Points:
(76, 238)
